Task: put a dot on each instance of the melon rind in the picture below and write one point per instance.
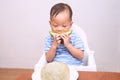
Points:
(53, 33)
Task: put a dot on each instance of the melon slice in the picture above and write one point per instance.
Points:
(53, 33)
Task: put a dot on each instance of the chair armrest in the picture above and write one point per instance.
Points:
(37, 68)
(42, 61)
(91, 60)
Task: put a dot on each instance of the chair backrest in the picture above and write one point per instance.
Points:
(81, 33)
(83, 36)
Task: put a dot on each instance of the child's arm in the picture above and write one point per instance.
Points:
(52, 51)
(77, 53)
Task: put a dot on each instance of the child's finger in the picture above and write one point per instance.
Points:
(59, 41)
(58, 38)
(64, 36)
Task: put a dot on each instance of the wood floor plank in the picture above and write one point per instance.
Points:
(12, 73)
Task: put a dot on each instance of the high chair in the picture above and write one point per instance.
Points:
(89, 60)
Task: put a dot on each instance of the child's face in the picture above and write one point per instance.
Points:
(61, 23)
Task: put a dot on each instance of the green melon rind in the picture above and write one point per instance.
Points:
(68, 32)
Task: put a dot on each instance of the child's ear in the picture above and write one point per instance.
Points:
(50, 22)
(71, 23)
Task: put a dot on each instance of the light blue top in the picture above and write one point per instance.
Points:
(62, 54)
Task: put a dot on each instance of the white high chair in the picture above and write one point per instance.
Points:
(89, 60)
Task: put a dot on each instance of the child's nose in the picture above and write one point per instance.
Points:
(60, 28)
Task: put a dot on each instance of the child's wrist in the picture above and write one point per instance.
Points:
(54, 46)
(68, 45)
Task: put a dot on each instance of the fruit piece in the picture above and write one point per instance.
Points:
(53, 33)
(68, 32)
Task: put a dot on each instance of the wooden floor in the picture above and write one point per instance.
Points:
(12, 74)
(25, 74)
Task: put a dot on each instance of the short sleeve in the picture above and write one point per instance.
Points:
(48, 43)
(77, 41)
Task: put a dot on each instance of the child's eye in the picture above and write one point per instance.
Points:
(64, 26)
(55, 25)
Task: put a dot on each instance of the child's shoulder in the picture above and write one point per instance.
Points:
(48, 37)
(75, 34)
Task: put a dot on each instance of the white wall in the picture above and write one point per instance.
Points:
(24, 24)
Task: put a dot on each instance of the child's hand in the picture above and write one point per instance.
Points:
(57, 40)
(66, 38)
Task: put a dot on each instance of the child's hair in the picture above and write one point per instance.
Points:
(60, 7)
(55, 71)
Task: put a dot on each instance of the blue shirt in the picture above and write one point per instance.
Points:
(62, 53)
